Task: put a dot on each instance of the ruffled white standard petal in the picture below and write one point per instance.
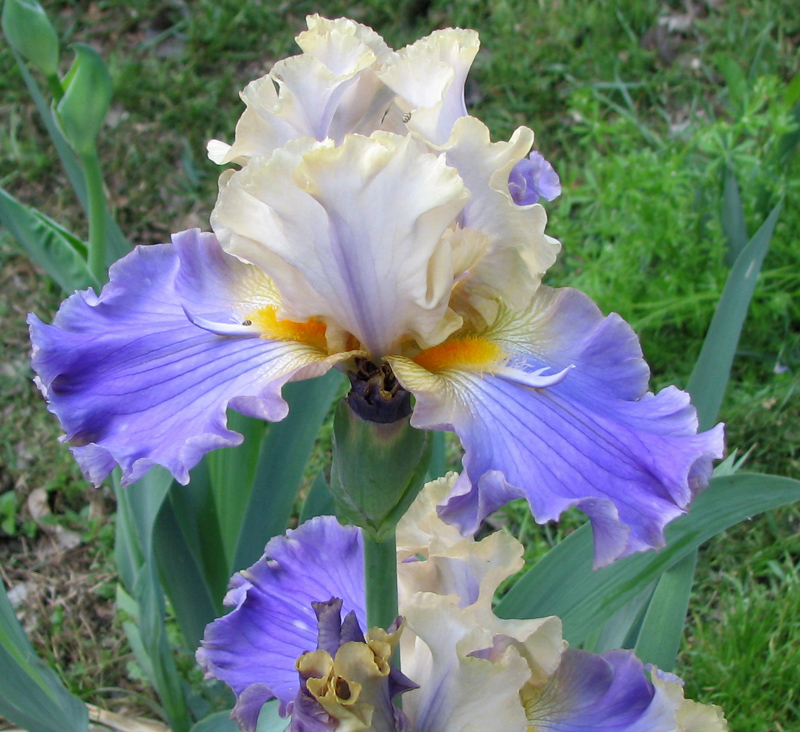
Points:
(517, 251)
(328, 91)
(428, 77)
(690, 715)
(458, 691)
(470, 665)
(351, 235)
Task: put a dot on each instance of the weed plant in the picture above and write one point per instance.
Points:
(643, 107)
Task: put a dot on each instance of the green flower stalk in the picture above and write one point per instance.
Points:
(80, 113)
(379, 466)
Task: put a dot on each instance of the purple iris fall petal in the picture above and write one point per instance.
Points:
(533, 178)
(253, 649)
(609, 692)
(135, 382)
(629, 459)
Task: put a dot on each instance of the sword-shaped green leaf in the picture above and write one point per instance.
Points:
(709, 379)
(31, 695)
(284, 454)
(58, 252)
(564, 584)
(659, 637)
(138, 507)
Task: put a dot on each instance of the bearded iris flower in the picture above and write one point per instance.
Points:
(374, 219)
(296, 634)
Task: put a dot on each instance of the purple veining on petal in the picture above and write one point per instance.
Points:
(629, 459)
(609, 692)
(135, 382)
(253, 649)
(533, 178)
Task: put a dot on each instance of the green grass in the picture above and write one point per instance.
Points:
(640, 122)
(745, 623)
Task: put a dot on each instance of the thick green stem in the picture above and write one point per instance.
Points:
(97, 215)
(380, 571)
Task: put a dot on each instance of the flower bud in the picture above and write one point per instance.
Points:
(377, 470)
(30, 34)
(87, 96)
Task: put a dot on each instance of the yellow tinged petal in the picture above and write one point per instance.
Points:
(473, 354)
(312, 332)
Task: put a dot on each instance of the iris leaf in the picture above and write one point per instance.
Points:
(564, 584)
(709, 379)
(31, 695)
(268, 721)
(438, 466)
(733, 222)
(658, 640)
(138, 507)
(319, 501)
(282, 461)
(58, 252)
(232, 472)
(194, 601)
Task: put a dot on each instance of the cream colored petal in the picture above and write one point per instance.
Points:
(695, 717)
(310, 93)
(324, 35)
(439, 560)
(218, 151)
(469, 570)
(261, 128)
(518, 251)
(690, 715)
(428, 77)
(421, 526)
(363, 105)
(458, 692)
(328, 91)
(351, 235)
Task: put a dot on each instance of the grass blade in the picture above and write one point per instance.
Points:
(735, 79)
(563, 583)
